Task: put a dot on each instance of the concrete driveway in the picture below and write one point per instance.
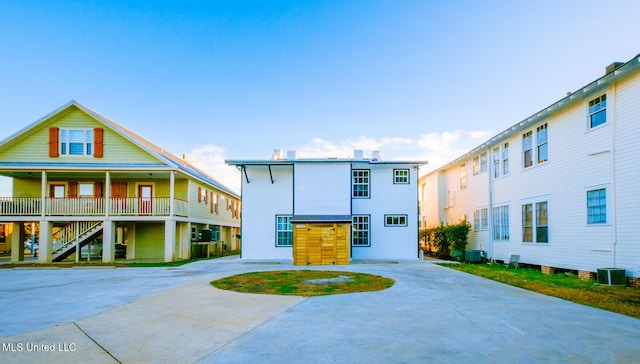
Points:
(431, 314)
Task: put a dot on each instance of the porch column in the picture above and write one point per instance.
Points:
(17, 247)
(169, 240)
(46, 242)
(107, 194)
(108, 241)
(172, 185)
(185, 239)
(43, 195)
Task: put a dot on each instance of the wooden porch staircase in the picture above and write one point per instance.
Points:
(72, 235)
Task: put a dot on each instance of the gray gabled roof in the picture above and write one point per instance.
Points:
(169, 159)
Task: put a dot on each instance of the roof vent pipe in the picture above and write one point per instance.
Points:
(375, 155)
(358, 154)
(292, 155)
(277, 154)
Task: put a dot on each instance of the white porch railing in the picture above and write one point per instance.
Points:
(89, 206)
(20, 206)
(81, 206)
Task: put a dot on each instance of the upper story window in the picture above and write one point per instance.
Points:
(505, 158)
(483, 162)
(85, 189)
(496, 162)
(76, 142)
(360, 183)
(480, 163)
(463, 176)
(527, 149)
(541, 143)
(476, 165)
(541, 139)
(598, 111)
(401, 176)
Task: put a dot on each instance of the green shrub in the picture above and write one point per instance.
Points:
(446, 241)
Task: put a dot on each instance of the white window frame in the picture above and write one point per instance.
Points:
(480, 219)
(607, 206)
(483, 162)
(505, 159)
(496, 162)
(284, 226)
(86, 139)
(596, 106)
(360, 178)
(534, 141)
(538, 220)
(401, 176)
(395, 220)
(476, 165)
(500, 222)
(85, 185)
(361, 224)
(542, 143)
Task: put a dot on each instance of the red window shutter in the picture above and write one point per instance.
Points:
(97, 143)
(97, 189)
(53, 142)
(199, 194)
(73, 189)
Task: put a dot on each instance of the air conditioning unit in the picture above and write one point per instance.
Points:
(612, 276)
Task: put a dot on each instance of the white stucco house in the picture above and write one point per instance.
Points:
(558, 188)
(368, 204)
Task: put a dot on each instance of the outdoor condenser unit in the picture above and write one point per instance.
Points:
(612, 276)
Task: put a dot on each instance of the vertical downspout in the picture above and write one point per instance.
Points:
(490, 212)
(613, 178)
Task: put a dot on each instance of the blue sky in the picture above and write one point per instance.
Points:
(419, 80)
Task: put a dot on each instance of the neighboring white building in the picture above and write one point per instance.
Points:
(558, 188)
(378, 199)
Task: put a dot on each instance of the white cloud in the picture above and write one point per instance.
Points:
(210, 159)
(436, 148)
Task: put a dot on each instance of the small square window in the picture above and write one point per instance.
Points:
(400, 176)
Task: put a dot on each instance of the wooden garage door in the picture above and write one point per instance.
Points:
(321, 244)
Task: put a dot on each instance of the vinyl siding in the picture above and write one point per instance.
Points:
(322, 189)
(580, 159)
(200, 212)
(387, 198)
(149, 241)
(627, 194)
(35, 146)
(262, 201)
